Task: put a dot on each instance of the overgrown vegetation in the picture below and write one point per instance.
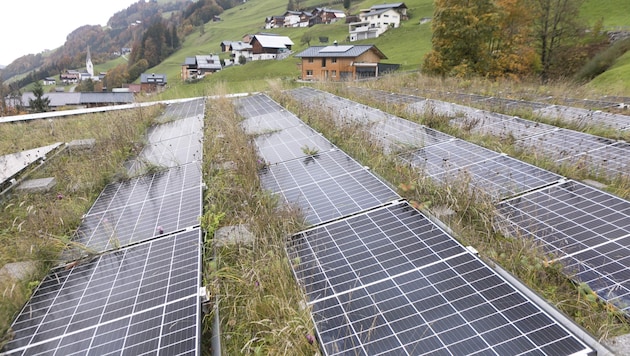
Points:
(35, 227)
(260, 306)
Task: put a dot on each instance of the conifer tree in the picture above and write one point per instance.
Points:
(39, 103)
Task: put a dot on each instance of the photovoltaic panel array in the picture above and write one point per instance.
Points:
(601, 156)
(143, 208)
(133, 286)
(134, 301)
(447, 159)
(393, 133)
(587, 229)
(389, 281)
(326, 186)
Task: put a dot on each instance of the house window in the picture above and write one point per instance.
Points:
(310, 60)
(309, 73)
(323, 62)
(333, 60)
(333, 73)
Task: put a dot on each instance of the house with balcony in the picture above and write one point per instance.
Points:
(340, 62)
(376, 20)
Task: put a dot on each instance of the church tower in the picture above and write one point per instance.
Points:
(88, 63)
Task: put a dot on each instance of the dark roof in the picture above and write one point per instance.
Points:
(398, 5)
(350, 51)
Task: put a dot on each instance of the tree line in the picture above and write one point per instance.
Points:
(510, 38)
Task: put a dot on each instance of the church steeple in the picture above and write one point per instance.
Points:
(88, 63)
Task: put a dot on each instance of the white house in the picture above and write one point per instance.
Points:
(376, 20)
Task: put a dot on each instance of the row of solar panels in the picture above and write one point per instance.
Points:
(600, 156)
(586, 228)
(133, 286)
(380, 277)
(571, 114)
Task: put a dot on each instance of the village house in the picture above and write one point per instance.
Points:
(376, 20)
(198, 66)
(70, 77)
(340, 62)
(326, 16)
(152, 82)
(270, 46)
(49, 81)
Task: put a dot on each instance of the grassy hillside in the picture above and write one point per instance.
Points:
(615, 13)
(406, 45)
(616, 80)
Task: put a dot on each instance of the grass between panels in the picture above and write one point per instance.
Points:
(35, 227)
(261, 308)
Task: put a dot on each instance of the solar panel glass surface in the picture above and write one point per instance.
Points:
(447, 156)
(141, 208)
(137, 300)
(326, 186)
(389, 281)
(291, 143)
(586, 229)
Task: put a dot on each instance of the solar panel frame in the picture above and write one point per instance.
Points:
(391, 281)
(134, 300)
(588, 230)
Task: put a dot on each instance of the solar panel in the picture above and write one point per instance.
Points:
(256, 105)
(141, 208)
(389, 281)
(563, 143)
(14, 163)
(396, 134)
(172, 143)
(266, 123)
(587, 229)
(612, 161)
(326, 186)
(447, 156)
(385, 97)
(185, 109)
(344, 110)
(585, 116)
(293, 142)
(133, 301)
(501, 177)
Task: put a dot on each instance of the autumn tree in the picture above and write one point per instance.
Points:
(556, 25)
(39, 103)
(116, 77)
(462, 34)
(512, 53)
